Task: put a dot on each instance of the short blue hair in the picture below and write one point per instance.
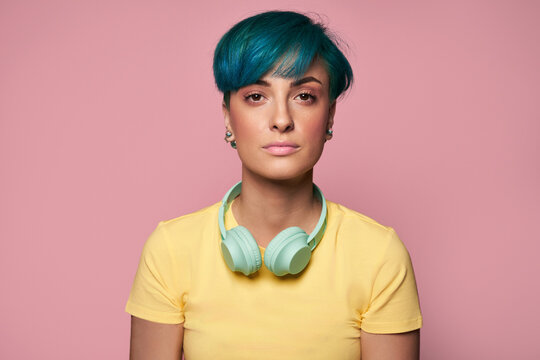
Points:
(286, 39)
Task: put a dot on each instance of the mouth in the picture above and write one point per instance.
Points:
(281, 148)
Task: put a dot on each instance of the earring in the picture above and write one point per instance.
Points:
(329, 132)
(228, 134)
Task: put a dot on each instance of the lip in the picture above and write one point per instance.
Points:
(281, 148)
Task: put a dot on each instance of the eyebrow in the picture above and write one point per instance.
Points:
(305, 80)
(296, 83)
(262, 82)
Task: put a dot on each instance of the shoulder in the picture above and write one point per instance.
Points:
(179, 232)
(353, 221)
(356, 230)
(191, 220)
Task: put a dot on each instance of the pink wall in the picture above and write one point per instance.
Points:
(110, 122)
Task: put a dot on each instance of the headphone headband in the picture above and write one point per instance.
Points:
(313, 239)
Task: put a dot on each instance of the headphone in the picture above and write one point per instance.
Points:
(288, 253)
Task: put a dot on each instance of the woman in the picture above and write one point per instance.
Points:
(228, 282)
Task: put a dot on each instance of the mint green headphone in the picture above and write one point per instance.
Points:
(288, 253)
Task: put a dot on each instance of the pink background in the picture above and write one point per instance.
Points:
(110, 122)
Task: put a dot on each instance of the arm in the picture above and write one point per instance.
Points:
(404, 346)
(151, 340)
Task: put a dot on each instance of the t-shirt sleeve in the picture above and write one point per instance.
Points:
(160, 287)
(394, 305)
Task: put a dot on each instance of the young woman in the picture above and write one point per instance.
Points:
(275, 271)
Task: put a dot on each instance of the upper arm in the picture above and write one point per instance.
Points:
(393, 307)
(162, 281)
(151, 340)
(404, 346)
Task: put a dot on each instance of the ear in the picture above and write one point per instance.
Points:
(227, 118)
(331, 113)
(226, 115)
(330, 123)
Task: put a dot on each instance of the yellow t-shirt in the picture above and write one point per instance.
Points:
(359, 277)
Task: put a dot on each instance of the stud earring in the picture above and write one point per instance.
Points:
(228, 134)
(233, 144)
(329, 132)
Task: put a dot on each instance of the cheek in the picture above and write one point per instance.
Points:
(243, 124)
(315, 128)
(240, 125)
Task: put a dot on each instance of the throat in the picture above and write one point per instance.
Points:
(264, 222)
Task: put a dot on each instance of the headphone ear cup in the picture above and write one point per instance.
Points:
(240, 251)
(288, 252)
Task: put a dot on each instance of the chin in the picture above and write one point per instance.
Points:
(280, 168)
(282, 173)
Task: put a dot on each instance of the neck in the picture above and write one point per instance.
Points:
(266, 207)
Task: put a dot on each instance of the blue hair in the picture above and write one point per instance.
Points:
(286, 40)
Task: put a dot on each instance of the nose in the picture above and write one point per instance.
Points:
(282, 120)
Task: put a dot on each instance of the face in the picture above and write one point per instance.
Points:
(279, 124)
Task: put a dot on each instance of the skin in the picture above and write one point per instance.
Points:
(277, 191)
(405, 346)
(151, 340)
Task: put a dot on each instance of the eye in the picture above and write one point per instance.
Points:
(254, 97)
(306, 97)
